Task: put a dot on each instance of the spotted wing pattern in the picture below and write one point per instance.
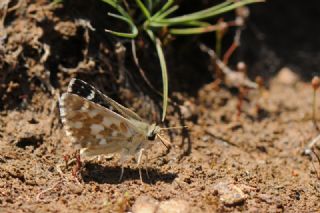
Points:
(85, 90)
(94, 127)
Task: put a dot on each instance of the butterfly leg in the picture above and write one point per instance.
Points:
(139, 157)
(123, 158)
(122, 171)
(146, 166)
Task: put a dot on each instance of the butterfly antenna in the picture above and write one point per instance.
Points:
(165, 142)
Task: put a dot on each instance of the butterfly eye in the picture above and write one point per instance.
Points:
(152, 136)
(152, 132)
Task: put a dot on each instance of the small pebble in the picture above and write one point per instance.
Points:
(287, 76)
(145, 204)
(174, 206)
(229, 194)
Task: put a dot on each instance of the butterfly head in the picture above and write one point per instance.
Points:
(153, 130)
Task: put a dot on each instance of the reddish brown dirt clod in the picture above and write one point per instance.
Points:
(315, 82)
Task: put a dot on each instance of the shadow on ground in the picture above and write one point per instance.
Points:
(110, 174)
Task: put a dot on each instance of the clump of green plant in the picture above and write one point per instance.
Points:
(154, 16)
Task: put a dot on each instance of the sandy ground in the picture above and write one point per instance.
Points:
(225, 162)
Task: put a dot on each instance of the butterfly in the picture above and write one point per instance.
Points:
(98, 125)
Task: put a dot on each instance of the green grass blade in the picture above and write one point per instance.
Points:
(168, 12)
(193, 30)
(111, 3)
(191, 23)
(164, 71)
(121, 34)
(134, 29)
(117, 6)
(143, 9)
(196, 15)
(149, 5)
(163, 9)
(207, 13)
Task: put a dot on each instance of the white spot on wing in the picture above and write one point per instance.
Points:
(108, 121)
(61, 102)
(96, 128)
(85, 107)
(63, 96)
(77, 124)
(103, 142)
(93, 113)
(91, 96)
(68, 133)
(70, 84)
(82, 152)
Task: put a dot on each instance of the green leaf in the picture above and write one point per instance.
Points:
(143, 9)
(207, 13)
(134, 29)
(168, 12)
(164, 71)
(193, 30)
(163, 9)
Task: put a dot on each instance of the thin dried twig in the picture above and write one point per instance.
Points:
(242, 14)
(232, 78)
(308, 148)
(318, 159)
(315, 85)
(235, 44)
(142, 73)
(120, 54)
(38, 197)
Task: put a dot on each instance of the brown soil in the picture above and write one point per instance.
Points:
(225, 163)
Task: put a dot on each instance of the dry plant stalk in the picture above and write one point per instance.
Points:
(315, 85)
(232, 78)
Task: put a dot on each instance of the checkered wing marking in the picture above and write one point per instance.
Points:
(85, 90)
(92, 126)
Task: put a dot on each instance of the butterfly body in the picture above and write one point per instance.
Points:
(97, 130)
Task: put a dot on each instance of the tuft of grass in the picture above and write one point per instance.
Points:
(155, 16)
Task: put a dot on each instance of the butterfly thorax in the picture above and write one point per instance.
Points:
(153, 130)
(149, 131)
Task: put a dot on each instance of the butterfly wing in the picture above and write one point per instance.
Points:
(95, 127)
(83, 89)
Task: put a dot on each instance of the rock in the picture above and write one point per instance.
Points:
(145, 204)
(173, 206)
(287, 76)
(75, 188)
(230, 194)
